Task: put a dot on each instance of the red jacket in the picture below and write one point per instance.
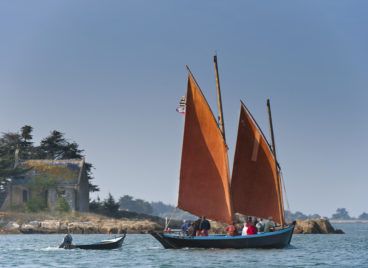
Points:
(251, 230)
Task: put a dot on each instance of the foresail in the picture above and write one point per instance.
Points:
(204, 174)
(255, 187)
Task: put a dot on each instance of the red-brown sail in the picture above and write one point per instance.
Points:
(204, 175)
(255, 186)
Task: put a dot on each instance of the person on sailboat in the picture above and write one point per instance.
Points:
(251, 230)
(196, 225)
(245, 228)
(204, 226)
(269, 225)
(191, 230)
(185, 227)
(231, 230)
(260, 225)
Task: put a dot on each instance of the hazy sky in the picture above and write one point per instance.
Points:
(110, 74)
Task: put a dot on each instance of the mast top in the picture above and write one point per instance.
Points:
(219, 99)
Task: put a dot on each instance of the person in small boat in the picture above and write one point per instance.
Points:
(67, 242)
(260, 225)
(231, 230)
(269, 225)
(204, 226)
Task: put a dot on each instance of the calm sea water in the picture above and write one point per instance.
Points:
(350, 249)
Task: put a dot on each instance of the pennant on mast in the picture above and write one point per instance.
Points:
(255, 187)
(204, 188)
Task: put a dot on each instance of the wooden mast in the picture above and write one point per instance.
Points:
(221, 121)
(219, 99)
(279, 189)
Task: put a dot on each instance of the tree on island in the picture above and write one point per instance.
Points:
(363, 216)
(341, 214)
(110, 206)
(7, 170)
(26, 144)
(290, 216)
(128, 203)
(9, 143)
(55, 146)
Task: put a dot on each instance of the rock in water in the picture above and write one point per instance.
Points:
(33, 227)
(318, 226)
(12, 227)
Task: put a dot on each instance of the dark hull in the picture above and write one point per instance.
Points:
(117, 243)
(277, 239)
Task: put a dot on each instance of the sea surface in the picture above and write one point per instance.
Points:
(350, 249)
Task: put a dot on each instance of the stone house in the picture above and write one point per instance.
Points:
(49, 180)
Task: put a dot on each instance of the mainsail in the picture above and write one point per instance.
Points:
(255, 185)
(204, 174)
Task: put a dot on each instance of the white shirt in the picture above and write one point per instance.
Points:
(244, 231)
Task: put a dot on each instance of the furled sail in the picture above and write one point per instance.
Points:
(255, 186)
(204, 188)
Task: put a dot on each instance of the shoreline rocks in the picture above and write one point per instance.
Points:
(317, 226)
(13, 223)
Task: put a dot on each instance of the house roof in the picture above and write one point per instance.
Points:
(63, 172)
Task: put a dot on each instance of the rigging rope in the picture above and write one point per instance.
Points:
(284, 188)
(171, 215)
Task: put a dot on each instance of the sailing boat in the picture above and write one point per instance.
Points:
(205, 188)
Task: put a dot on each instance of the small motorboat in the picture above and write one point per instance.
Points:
(104, 244)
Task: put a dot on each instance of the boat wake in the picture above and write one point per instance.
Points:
(51, 249)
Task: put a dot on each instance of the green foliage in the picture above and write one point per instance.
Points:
(55, 146)
(62, 205)
(163, 210)
(110, 206)
(7, 169)
(36, 204)
(26, 148)
(26, 133)
(9, 142)
(88, 168)
(128, 203)
(39, 186)
(159, 209)
(95, 206)
(41, 183)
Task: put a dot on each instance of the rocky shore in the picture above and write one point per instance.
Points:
(318, 226)
(22, 223)
(12, 223)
